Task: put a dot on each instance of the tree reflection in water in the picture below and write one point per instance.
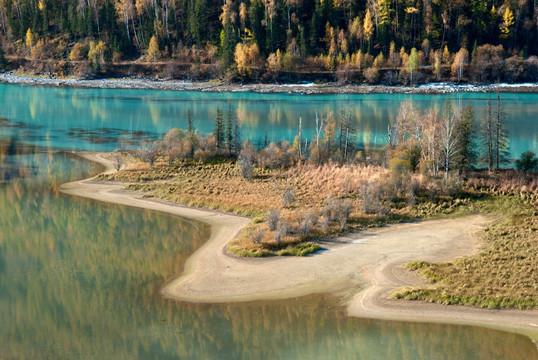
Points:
(81, 279)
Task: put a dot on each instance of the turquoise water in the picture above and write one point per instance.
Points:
(81, 279)
(93, 119)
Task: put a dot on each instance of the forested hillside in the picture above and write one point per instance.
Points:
(388, 41)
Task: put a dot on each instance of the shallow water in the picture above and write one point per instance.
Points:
(81, 279)
(93, 119)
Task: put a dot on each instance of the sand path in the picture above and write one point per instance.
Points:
(368, 260)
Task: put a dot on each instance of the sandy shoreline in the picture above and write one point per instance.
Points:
(302, 88)
(369, 260)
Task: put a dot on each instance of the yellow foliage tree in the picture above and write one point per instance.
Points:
(247, 57)
(30, 38)
(446, 56)
(508, 21)
(461, 59)
(153, 49)
(96, 54)
(368, 26)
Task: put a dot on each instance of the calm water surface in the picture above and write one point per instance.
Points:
(81, 279)
(93, 119)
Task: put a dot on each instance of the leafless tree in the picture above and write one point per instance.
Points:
(283, 229)
(256, 236)
(288, 197)
(306, 221)
(247, 160)
(273, 218)
(117, 160)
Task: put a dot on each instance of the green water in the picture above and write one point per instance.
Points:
(81, 279)
(93, 119)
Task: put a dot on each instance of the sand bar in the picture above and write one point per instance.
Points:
(368, 262)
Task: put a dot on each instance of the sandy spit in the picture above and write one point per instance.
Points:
(365, 266)
(302, 88)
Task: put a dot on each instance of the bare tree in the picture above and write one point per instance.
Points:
(247, 160)
(306, 221)
(288, 197)
(117, 160)
(283, 229)
(256, 236)
(273, 218)
(448, 136)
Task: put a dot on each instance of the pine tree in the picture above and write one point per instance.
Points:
(237, 136)
(219, 130)
(228, 135)
(500, 139)
(466, 153)
(190, 129)
(2, 58)
(486, 137)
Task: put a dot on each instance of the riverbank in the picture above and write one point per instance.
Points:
(303, 88)
(369, 260)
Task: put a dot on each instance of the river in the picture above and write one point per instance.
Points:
(81, 279)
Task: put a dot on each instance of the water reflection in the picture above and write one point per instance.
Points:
(80, 279)
(154, 112)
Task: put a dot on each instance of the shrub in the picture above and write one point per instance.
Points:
(78, 52)
(343, 213)
(527, 162)
(256, 236)
(371, 75)
(273, 219)
(247, 160)
(288, 197)
(307, 221)
(283, 229)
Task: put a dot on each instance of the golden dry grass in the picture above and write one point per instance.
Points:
(504, 274)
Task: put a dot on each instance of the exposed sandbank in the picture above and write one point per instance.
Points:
(369, 260)
(302, 88)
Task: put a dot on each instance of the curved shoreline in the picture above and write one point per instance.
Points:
(372, 257)
(304, 89)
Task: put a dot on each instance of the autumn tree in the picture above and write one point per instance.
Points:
(412, 63)
(97, 55)
(30, 38)
(153, 49)
(368, 28)
(508, 22)
(460, 60)
(248, 59)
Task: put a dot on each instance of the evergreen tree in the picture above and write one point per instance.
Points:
(229, 135)
(486, 137)
(466, 152)
(236, 136)
(500, 137)
(190, 130)
(2, 58)
(219, 130)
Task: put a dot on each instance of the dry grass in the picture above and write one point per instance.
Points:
(503, 275)
(505, 182)
(220, 186)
